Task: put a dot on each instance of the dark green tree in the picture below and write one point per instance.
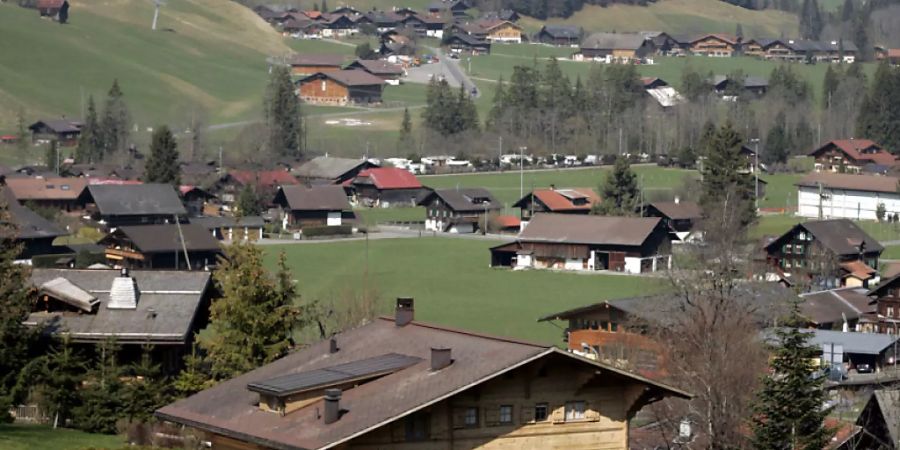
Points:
(102, 399)
(248, 202)
(57, 376)
(21, 132)
(52, 156)
(789, 412)
(195, 376)
(728, 189)
(116, 121)
(860, 29)
(847, 11)
(830, 84)
(777, 142)
(147, 390)
(693, 86)
(90, 142)
(406, 141)
(619, 192)
(498, 107)
(786, 84)
(466, 111)
(811, 21)
(284, 121)
(162, 165)
(879, 115)
(325, 6)
(739, 31)
(364, 51)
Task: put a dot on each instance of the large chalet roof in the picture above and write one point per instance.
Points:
(377, 67)
(230, 408)
(167, 302)
(54, 188)
(564, 199)
(727, 38)
(679, 210)
(859, 150)
(136, 199)
(163, 238)
(850, 182)
(347, 77)
(29, 224)
(834, 306)
(388, 178)
(58, 125)
(264, 178)
(316, 60)
(853, 342)
(614, 41)
(582, 229)
(329, 168)
(327, 197)
(465, 199)
(841, 236)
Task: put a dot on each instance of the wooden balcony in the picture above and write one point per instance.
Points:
(120, 254)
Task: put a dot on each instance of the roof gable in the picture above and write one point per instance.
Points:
(166, 238)
(596, 230)
(464, 199)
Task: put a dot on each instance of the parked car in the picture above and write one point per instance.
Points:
(864, 368)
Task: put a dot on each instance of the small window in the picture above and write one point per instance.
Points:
(890, 311)
(471, 417)
(506, 414)
(416, 427)
(541, 412)
(575, 410)
(323, 85)
(798, 248)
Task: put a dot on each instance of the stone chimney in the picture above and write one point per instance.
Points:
(405, 312)
(332, 405)
(440, 358)
(124, 292)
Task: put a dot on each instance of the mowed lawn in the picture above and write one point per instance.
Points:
(452, 283)
(43, 437)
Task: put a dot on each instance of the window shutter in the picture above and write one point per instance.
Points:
(492, 415)
(527, 414)
(591, 411)
(558, 414)
(459, 418)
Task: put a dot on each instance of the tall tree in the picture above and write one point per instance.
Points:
(325, 6)
(90, 141)
(147, 391)
(847, 11)
(248, 201)
(860, 30)
(692, 83)
(879, 115)
(728, 189)
(830, 84)
(406, 141)
(789, 412)
(252, 323)
(52, 156)
(116, 121)
(811, 21)
(777, 142)
(284, 121)
(466, 111)
(498, 107)
(21, 132)
(162, 165)
(619, 192)
(102, 399)
(58, 376)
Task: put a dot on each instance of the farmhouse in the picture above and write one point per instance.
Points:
(65, 132)
(338, 25)
(750, 84)
(802, 50)
(553, 200)
(328, 169)
(620, 47)
(884, 315)
(400, 383)
(721, 45)
(459, 210)
(838, 195)
(62, 194)
(390, 73)
(498, 30)
(457, 8)
(387, 186)
(134, 204)
(558, 35)
(579, 242)
(305, 65)
(341, 87)
(680, 217)
(828, 253)
(136, 308)
(313, 206)
(851, 156)
(164, 246)
(245, 228)
(461, 42)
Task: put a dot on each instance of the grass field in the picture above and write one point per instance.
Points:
(452, 283)
(41, 437)
(891, 252)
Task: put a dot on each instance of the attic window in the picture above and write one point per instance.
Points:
(65, 187)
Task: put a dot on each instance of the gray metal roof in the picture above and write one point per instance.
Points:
(333, 375)
(165, 311)
(465, 199)
(582, 229)
(860, 343)
(29, 224)
(165, 238)
(211, 222)
(327, 167)
(328, 197)
(136, 199)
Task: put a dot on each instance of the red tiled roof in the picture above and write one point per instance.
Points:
(391, 178)
(264, 178)
(509, 221)
(854, 149)
(54, 188)
(858, 269)
(561, 199)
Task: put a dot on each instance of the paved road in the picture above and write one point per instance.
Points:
(447, 68)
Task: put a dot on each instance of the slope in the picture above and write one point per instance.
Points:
(208, 57)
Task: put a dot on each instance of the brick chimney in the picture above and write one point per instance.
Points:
(440, 358)
(332, 405)
(405, 312)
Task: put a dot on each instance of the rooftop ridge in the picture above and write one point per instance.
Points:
(471, 333)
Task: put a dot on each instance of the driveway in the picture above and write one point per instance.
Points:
(447, 68)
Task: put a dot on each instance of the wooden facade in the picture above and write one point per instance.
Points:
(798, 253)
(505, 32)
(323, 90)
(306, 70)
(713, 45)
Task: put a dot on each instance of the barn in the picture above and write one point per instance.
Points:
(341, 88)
(845, 196)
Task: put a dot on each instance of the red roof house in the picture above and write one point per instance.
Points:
(560, 201)
(387, 185)
(851, 155)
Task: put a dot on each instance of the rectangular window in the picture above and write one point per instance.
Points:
(506, 414)
(471, 417)
(416, 426)
(541, 412)
(575, 410)
(890, 311)
(798, 249)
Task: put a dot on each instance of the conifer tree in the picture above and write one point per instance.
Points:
(116, 121)
(248, 202)
(194, 378)
(830, 84)
(284, 121)
(406, 142)
(21, 132)
(789, 409)
(162, 165)
(619, 192)
(498, 105)
(778, 142)
(52, 156)
(728, 189)
(466, 111)
(325, 6)
(58, 376)
(879, 114)
(102, 399)
(811, 21)
(147, 391)
(90, 142)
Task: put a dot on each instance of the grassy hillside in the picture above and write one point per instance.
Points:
(209, 55)
(680, 16)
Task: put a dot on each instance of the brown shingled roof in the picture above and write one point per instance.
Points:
(25, 189)
(598, 230)
(313, 198)
(868, 183)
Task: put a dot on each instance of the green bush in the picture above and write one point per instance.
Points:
(339, 230)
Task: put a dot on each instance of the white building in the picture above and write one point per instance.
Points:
(834, 195)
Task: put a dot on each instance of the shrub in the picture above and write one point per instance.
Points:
(340, 230)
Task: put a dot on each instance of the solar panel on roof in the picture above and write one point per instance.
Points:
(329, 376)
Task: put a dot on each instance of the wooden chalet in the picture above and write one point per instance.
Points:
(463, 210)
(825, 253)
(585, 242)
(114, 205)
(801, 50)
(313, 206)
(681, 217)
(757, 86)
(343, 87)
(879, 419)
(560, 201)
(136, 308)
(338, 25)
(836, 309)
(263, 182)
(502, 31)
(884, 317)
(224, 228)
(65, 132)
(399, 383)
(465, 43)
(720, 45)
(851, 156)
(387, 186)
(59, 193)
(664, 43)
(390, 73)
(621, 47)
(302, 27)
(165, 246)
(558, 35)
(394, 43)
(305, 65)
(456, 8)
(196, 199)
(331, 170)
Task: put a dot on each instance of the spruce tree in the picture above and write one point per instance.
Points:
(21, 132)
(830, 84)
(90, 142)
(116, 121)
(406, 142)
(879, 114)
(147, 391)
(325, 6)
(789, 409)
(860, 30)
(58, 377)
(692, 84)
(162, 165)
(619, 193)
(811, 21)
(498, 105)
(727, 185)
(284, 121)
(466, 111)
(102, 399)
(52, 156)
(194, 378)
(778, 142)
(248, 202)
